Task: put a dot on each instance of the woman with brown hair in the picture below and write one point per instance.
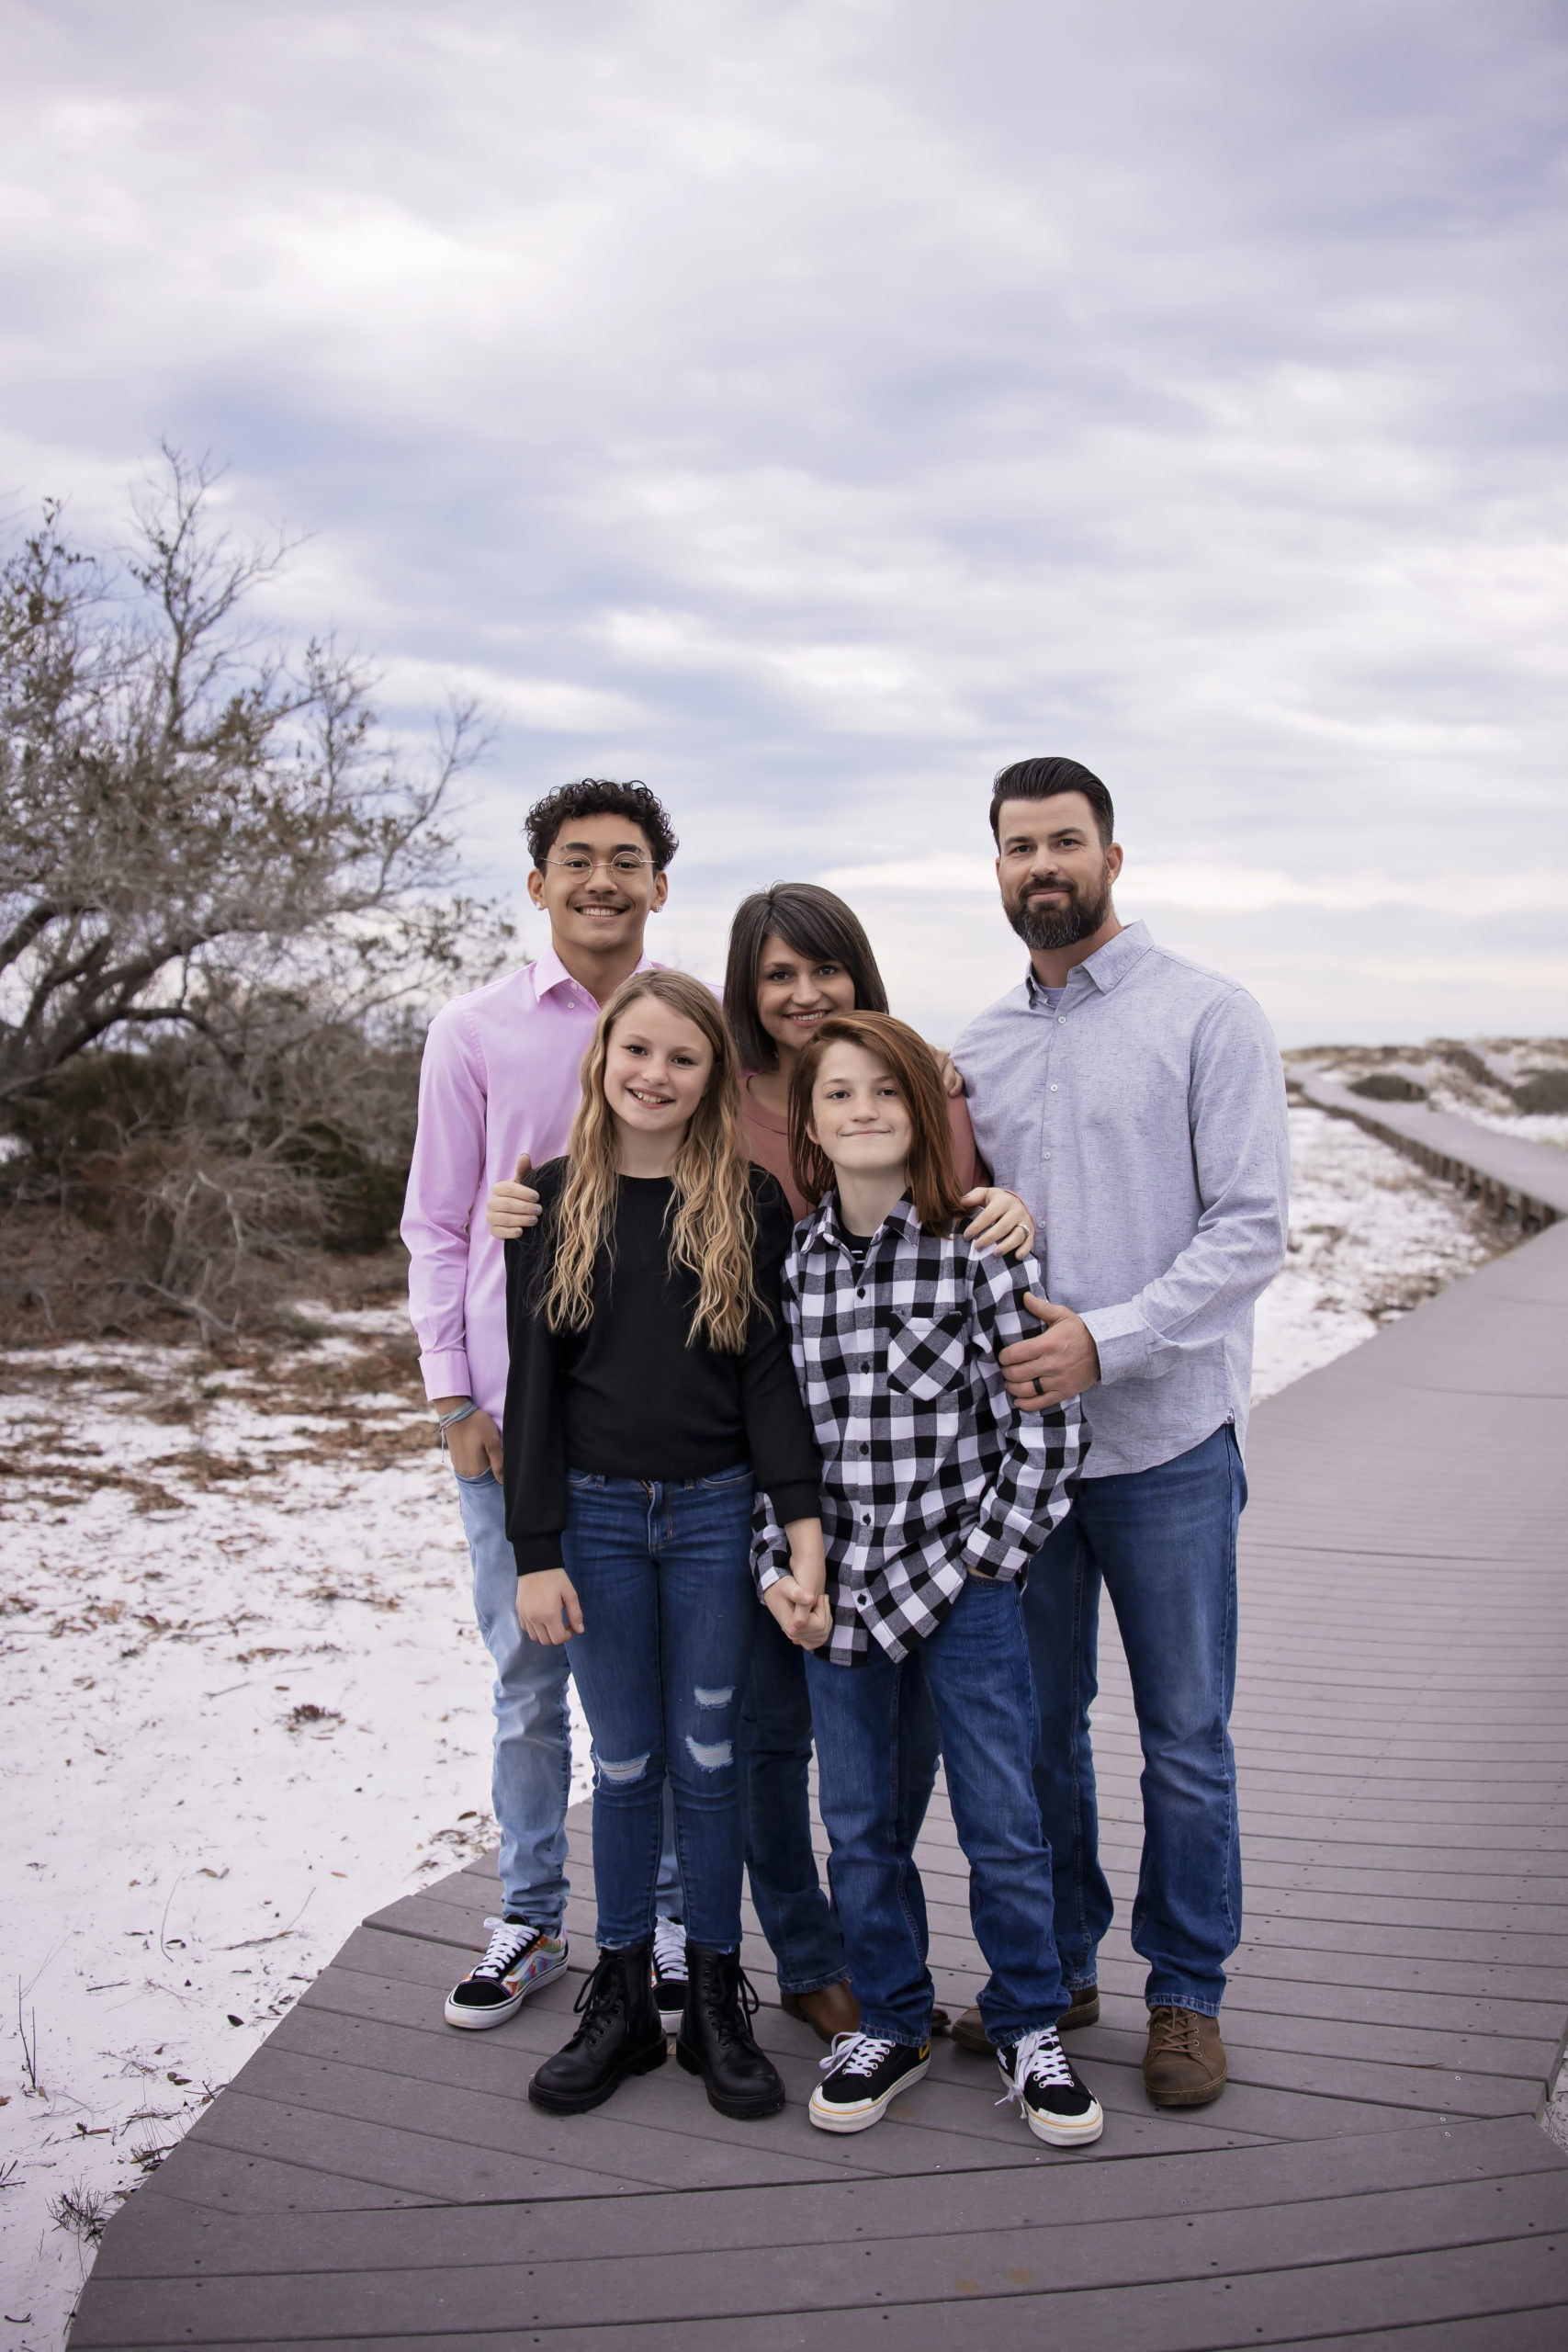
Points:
(650, 1390)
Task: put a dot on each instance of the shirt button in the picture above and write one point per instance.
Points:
(1061, 1020)
(860, 1293)
(866, 1449)
(866, 1367)
(1056, 1089)
(1047, 1155)
(865, 1518)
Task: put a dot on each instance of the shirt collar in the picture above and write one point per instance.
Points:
(827, 1225)
(1106, 968)
(550, 973)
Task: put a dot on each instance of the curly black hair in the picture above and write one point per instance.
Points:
(598, 796)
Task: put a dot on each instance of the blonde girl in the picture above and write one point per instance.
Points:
(650, 1392)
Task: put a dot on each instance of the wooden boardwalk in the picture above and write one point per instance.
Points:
(1514, 1175)
(1375, 2172)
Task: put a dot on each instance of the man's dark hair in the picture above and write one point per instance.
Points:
(599, 796)
(1043, 779)
(813, 923)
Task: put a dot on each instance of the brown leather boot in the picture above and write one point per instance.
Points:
(970, 2032)
(833, 2010)
(1184, 2065)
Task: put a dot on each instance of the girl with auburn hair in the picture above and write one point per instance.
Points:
(650, 1390)
(935, 1493)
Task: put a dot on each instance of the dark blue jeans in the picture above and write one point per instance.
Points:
(975, 1669)
(797, 1919)
(1162, 1542)
(663, 1574)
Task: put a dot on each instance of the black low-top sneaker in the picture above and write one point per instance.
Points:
(860, 2078)
(1057, 2105)
(670, 1964)
(519, 1959)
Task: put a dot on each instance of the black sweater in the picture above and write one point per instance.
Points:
(630, 1398)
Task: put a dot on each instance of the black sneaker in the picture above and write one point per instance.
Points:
(670, 1964)
(520, 1958)
(860, 2079)
(1057, 2105)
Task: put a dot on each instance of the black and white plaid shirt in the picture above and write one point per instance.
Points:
(927, 1469)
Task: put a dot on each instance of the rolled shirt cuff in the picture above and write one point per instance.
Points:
(446, 1374)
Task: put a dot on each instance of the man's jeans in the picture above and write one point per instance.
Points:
(531, 1767)
(975, 1668)
(663, 1574)
(1162, 1542)
(797, 1919)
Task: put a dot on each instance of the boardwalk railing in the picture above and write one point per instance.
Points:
(1515, 1177)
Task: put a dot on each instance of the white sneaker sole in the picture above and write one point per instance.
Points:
(861, 2118)
(1071, 2133)
(471, 2020)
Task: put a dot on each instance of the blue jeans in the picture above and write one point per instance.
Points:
(663, 1574)
(531, 1761)
(797, 1919)
(975, 1669)
(1162, 1542)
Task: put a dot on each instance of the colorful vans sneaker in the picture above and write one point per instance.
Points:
(518, 1960)
(1057, 2105)
(860, 2078)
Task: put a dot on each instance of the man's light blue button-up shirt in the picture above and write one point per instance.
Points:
(1142, 1119)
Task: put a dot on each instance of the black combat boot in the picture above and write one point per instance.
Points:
(622, 2034)
(715, 2040)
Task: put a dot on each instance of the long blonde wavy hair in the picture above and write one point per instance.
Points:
(712, 1229)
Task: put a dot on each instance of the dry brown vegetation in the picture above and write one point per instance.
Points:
(226, 900)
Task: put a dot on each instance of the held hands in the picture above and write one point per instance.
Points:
(1001, 1222)
(1062, 1361)
(799, 1601)
(547, 1607)
(807, 1621)
(512, 1206)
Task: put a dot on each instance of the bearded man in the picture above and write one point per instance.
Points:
(1137, 1102)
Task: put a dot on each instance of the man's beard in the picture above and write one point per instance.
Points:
(1062, 924)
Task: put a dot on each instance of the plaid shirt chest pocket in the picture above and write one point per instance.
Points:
(928, 1356)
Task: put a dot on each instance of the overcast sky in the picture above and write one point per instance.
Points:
(808, 405)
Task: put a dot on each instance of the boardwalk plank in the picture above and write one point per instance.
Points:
(1372, 2175)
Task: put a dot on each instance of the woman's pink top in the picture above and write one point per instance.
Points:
(767, 1142)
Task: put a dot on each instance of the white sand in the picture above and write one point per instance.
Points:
(192, 1563)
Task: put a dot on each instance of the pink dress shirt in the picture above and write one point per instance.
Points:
(499, 1077)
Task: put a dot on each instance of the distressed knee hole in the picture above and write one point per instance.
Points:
(618, 1775)
(712, 1698)
(711, 1759)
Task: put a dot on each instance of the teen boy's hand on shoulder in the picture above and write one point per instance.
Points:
(547, 1607)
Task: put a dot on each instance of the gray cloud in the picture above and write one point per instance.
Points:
(809, 406)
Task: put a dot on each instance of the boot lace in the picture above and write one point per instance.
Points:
(599, 2002)
(1174, 2030)
(732, 2004)
(508, 1937)
(855, 2054)
(1040, 2058)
